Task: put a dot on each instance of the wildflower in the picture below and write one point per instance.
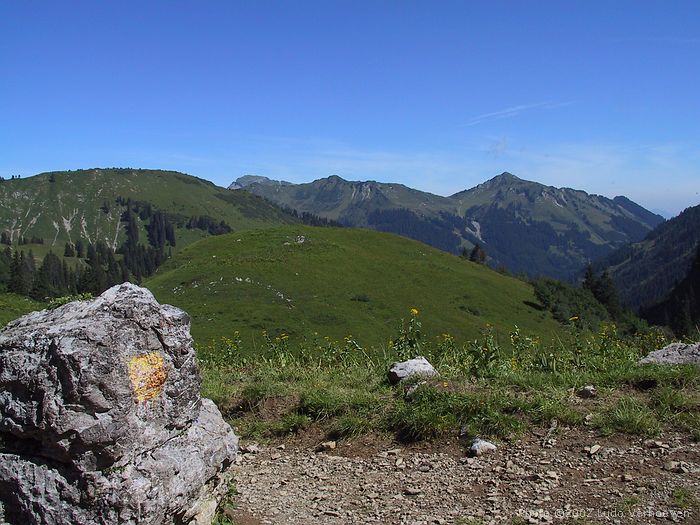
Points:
(414, 312)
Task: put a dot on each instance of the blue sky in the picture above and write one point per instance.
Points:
(438, 95)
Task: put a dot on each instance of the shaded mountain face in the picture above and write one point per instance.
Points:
(522, 225)
(61, 207)
(681, 309)
(646, 272)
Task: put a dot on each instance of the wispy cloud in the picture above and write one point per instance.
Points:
(513, 111)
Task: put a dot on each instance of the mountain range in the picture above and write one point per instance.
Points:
(523, 226)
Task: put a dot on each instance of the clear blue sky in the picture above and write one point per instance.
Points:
(601, 96)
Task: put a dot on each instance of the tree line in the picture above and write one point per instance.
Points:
(99, 266)
(54, 277)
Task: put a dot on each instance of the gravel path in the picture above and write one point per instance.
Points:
(538, 479)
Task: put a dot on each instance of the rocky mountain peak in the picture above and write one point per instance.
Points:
(247, 180)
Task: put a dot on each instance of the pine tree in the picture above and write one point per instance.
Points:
(589, 278)
(49, 281)
(477, 255)
(22, 272)
(604, 290)
(79, 249)
(5, 263)
(15, 282)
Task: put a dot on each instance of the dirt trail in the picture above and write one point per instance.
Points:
(536, 479)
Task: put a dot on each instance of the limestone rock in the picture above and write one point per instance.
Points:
(418, 366)
(101, 420)
(674, 354)
(479, 447)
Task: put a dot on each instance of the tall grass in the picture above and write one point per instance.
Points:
(486, 387)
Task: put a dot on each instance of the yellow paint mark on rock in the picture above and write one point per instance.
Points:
(147, 374)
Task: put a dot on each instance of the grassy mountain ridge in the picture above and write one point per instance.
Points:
(645, 272)
(348, 201)
(523, 225)
(338, 282)
(64, 206)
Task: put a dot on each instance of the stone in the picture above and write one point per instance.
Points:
(101, 420)
(594, 450)
(418, 366)
(326, 445)
(587, 392)
(479, 447)
(679, 467)
(674, 354)
(250, 448)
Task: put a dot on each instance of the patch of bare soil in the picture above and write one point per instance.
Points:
(571, 476)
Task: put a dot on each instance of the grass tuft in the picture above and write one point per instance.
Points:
(628, 416)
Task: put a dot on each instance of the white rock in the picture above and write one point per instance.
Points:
(480, 447)
(674, 354)
(418, 366)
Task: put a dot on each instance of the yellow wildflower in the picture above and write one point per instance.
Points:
(414, 312)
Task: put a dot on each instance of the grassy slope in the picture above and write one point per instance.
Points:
(69, 207)
(13, 306)
(322, 275)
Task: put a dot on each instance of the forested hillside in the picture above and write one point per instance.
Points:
(645, 272)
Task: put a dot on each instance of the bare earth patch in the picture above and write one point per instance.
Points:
(538, 478)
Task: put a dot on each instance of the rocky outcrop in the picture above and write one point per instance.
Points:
(674, 354)
(101, 420)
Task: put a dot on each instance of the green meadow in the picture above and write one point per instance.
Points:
(303, 283)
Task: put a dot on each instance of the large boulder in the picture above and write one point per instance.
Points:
(674, 354)
(101, 420)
